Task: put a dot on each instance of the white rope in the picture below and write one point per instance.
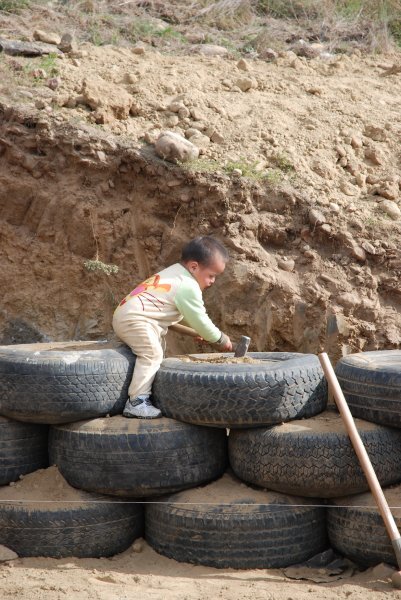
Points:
(222, 504)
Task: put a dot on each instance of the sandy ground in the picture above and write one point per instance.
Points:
(148, 575)
(140, 572)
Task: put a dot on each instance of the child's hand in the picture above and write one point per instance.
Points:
(229, 346)
(224, 344)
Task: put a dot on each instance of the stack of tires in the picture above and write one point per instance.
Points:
(284, 440)
(61, 404)
(371, 382)
(167, 479)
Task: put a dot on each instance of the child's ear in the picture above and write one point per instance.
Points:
(192, 265)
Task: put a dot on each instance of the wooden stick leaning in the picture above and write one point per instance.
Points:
(363, 456)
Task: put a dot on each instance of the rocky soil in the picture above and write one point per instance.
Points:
(297, 171)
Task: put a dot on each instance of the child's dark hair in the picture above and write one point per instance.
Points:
(203, 249)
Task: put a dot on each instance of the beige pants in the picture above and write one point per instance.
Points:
(145, 340)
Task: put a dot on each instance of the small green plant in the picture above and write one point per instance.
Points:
(371, 222)
(282, 162)
(13, 5)
(141, 29)
(249, 170)
(230, 45)
(201, 165)
(395, 30)
(48, 64)
(170, 33)
(98, 265)
(95, 37)
(284, 9)
(274, 176)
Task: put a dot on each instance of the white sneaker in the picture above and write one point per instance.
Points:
(141, 408)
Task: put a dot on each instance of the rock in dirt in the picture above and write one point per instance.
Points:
(53, 83)
(137, 546)
(391, 208)
(356, 142)
(379, 134)
(302, 48)
(16, 48)
(175, 106)
(242, 65)
(316, 217)
(393, 70)
(268, 54)
(326, 228)
(67, 43)
(7, 554)
(368, 247)
(139, 49)
(388, 189)
(200, 140)
(246, 83)
(382, 571)
(217, 138)
(348, 189)
(195, 37)
(197, 115)
(349, 299)
(375, 155)
(175, 148)
(360, 179)
(40, 104)
(212, 50)
(107, 100)
(190, 132)
(130, 78)
(358, 252)
(172, 120)
(286, 264)
(46, 36)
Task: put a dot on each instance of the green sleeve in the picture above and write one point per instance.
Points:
(189, 302)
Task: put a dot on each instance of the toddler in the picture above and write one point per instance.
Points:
(174, 294)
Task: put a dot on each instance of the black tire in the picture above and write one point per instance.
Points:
(227, 524)
(284, 386)
(136, 458)
(314, 457)
(356, 528)
(371, 382)
(64, 382)
(95, 528)
(23, 449)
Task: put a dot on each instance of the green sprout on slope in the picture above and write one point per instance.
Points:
(98, 265)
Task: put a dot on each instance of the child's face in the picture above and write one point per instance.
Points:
(206, 275)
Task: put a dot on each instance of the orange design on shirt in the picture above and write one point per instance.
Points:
(142, 291)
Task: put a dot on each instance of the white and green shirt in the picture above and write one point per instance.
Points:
(168, 297)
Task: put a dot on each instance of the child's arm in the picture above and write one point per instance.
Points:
(189, 302)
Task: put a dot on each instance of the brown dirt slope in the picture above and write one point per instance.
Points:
(298, 174)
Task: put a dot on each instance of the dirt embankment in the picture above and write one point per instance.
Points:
(298, 175)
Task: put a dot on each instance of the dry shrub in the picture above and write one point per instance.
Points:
(368, 24)
(224, 14)
(373, 25)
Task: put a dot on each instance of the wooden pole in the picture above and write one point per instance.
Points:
(363, 456)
